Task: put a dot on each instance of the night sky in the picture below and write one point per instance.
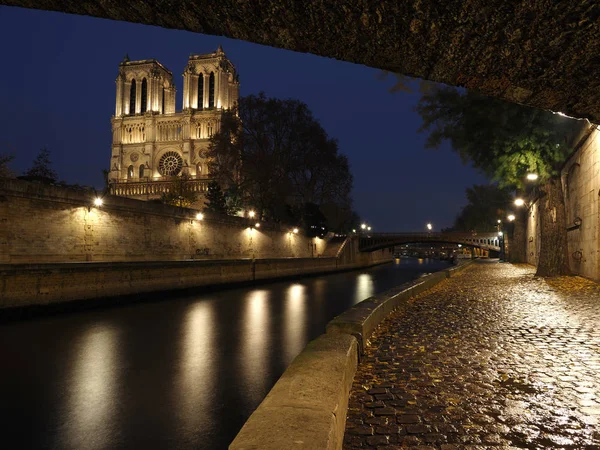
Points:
(58, 90)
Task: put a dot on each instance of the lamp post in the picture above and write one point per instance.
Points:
(502, 246)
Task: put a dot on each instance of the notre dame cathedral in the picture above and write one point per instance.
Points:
(152, 142)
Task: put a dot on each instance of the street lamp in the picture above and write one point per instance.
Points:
(511, 217)
(532, 176)
(295, 231)
(251, 214)
(368, 228)
(519, 202)
(363, 226)
(98, 201)
(199, 216)
(429, 227)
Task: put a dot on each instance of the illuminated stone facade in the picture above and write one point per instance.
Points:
(152, 142)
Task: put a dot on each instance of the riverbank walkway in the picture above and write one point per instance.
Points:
(491, 358)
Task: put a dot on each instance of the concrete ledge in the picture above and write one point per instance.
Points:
(361, 320)
(306, 409)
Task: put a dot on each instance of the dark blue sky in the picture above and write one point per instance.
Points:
(58, 90)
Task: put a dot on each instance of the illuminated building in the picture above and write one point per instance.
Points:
(152, 142)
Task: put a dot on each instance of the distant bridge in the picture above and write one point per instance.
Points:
(376, 241)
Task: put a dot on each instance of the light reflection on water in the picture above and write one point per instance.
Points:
(183, 373)
(195, 383)
(254, 342)
(364, 287)
(92, 399)
(295, 320)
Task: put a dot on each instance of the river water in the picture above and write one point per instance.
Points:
(184, 373)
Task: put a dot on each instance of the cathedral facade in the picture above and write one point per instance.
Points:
(152, 142)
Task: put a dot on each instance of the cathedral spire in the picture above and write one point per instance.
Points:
(220, 50)
(126, 59)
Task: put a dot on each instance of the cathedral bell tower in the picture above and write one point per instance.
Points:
(152, 142)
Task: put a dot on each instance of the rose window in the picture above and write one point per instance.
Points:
(170, 164)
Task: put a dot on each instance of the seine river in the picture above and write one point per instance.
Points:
(184, 373)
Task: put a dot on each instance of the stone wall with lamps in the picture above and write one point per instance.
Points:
(581, 187)
(581, 182)
(47, 224)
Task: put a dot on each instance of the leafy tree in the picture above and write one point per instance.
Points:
(233, 200)
(5, 170)
(180, 192)
(506, 141)
(215, 199)
(41, 168)
(286, 160)
(486, 205)
(315, 223)
(225, 150)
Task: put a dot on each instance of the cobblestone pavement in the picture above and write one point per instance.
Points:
(494, 358)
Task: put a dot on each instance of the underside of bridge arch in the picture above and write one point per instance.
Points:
(539, 53)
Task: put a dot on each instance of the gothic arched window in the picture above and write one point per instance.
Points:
(201, 91)
(130, 172)
(198, 169)
(211, 90)
(132, 98)
(144, 95)
(141, 171)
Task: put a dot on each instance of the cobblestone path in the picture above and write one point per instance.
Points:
(494, 358)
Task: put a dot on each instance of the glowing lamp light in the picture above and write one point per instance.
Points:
(199, 216)
(519, 202)
(363, 226)
(368, 228)
(511, 217)
(500, 233)
(429, 227)
(257, 225)
(353, 230)
(532, 176)
(251, 214)
(499, 221)
(295, 231)
(459, 245)
(98, 201)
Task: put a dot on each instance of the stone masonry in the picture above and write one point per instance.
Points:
(540, 53)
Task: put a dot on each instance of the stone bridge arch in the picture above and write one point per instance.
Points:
(537, 53)
(378, 241)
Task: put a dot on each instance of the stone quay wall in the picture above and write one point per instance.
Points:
(581, 188)
(43, 224)
(56, 247)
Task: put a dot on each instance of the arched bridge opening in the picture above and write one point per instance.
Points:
(378, 241)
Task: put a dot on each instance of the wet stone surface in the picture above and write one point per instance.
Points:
(493, 358)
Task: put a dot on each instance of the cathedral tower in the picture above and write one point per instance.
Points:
(152, 142)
